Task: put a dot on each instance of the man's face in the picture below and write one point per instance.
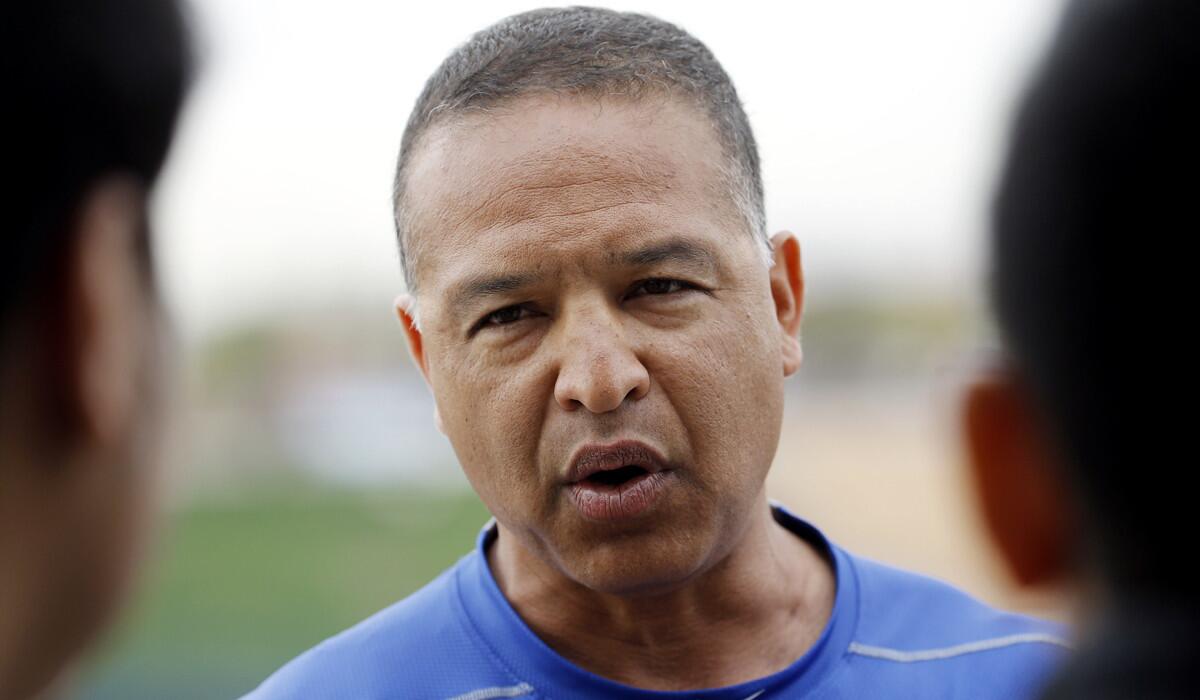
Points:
(590, 298)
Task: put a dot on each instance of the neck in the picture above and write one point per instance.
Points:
(749, 615)
(23, 668)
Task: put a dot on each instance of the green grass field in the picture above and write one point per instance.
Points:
(242, 585)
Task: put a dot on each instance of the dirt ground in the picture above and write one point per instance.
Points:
(883, 476)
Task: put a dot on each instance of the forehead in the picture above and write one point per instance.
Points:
(546, 172)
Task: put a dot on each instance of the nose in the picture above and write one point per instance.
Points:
(599, 370)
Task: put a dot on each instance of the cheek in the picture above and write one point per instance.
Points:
(493, 419)
(726, 384)
(105, 530)
(126, 545)
(129, 512)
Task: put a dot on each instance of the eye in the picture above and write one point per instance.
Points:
(658, 286)
(502, 317)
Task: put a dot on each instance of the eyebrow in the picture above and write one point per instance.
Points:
(472, 289)
(480, 286)
(675, 250)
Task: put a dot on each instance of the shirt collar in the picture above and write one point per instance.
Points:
(494, 621)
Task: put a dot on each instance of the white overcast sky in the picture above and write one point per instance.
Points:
(880, 125)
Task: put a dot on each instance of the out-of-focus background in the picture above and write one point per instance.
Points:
(310, 487)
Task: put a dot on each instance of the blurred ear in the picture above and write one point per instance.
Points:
(104, 310)
(787, 291)
(405, 307)
(1025, 504)
(406, 310)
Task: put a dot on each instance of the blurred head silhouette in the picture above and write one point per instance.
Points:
(93, 88)
(1076, 439)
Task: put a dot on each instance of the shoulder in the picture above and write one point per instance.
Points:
(934, 633)
(901, 607)
(421, 646)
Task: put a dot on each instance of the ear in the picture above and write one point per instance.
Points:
(787, 291)
(406, 309)
(1018, 484)
(104, 309)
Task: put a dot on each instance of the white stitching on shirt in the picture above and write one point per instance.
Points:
(508, 691)
(957, 650)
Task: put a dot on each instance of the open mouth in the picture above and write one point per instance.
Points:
(619, 481)
(616, 477)
(613, 465)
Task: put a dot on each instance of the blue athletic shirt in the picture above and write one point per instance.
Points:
(892, 634)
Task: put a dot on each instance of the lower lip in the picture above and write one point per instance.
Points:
(627, 500)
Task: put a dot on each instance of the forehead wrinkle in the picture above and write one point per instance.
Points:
(565, 181)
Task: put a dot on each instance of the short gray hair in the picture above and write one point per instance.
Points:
(586, 50)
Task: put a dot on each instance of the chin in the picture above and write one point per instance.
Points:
(630, 568)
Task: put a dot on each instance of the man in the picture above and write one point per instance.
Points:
(1075, 437)
(92, 92)
(606, 329)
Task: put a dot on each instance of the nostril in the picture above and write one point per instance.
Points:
(600, 381)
